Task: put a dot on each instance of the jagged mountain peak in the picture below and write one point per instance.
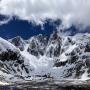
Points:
(37, 45)
(18, 42)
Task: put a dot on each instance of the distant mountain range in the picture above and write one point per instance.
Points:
(29, 51)
(39, 57)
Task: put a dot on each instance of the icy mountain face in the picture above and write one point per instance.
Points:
(75, 56)
(18, 42)
(37, 45)
(54, 45)
(58, 57)
(11, 61)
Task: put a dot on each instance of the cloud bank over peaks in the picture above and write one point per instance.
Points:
(69, 11)
(4, 19)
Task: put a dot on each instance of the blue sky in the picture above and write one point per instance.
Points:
(16, 27)
(26, 29)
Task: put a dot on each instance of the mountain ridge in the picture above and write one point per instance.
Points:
(58, 57)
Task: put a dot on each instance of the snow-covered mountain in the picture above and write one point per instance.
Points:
(57, 57)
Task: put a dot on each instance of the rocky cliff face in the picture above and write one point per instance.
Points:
(58, 57)
(37, 45)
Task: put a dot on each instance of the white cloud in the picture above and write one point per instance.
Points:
(70, 11)
(4, 21)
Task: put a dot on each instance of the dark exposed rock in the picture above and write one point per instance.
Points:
(20, 61)
(78, 69)
(87, 48)
(58, 64)
(37, 45)
(72, 59)
(88, 63)
(18, 42)
(9, 55)
(24, 67)
(57, 51)
(55, 42)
